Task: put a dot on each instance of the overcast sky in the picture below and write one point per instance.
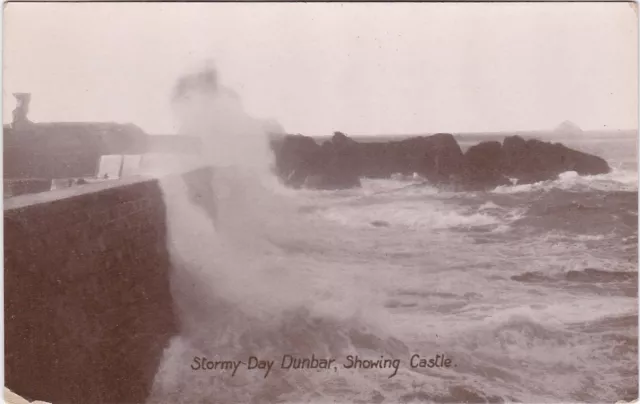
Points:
(360, 68)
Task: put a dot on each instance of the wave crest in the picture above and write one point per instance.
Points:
(616, 180)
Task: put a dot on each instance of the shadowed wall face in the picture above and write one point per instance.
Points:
(88, 308)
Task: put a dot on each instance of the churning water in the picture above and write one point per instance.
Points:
(529, 291)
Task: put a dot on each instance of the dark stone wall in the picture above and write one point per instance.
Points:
(88, 309)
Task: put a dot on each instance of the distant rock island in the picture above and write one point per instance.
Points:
(568, 128)
(340, 162)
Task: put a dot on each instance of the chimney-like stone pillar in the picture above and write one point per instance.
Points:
(21, 111)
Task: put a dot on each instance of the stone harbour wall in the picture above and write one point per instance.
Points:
(88, 308)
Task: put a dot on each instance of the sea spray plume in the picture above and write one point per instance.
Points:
(214, 114)
(205, 80)
(238, 286)
(239, 260)
(225, 262)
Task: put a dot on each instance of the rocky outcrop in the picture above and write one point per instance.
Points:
(340, 162)
(437, 158)
(300, 161)
(484, 166)
(568, 128)
(444, 160)
(520, 161)
(297, 157)
(534, 160)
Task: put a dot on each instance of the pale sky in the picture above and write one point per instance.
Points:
(375, 68)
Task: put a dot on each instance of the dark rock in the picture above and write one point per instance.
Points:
(444, 158)
(568, 128)
(342, 156)
(437, 158)
(515, 150)
(534, 160)
(340, 140)
(485, 166)
(297, 157)
(341, 162)
(300, 161)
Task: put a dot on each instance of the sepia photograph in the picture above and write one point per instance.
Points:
(373, 203)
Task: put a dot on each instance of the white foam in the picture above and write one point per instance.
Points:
(413, 215)
(235, 257)
(372, 187)
(489, 206)
(616, 180)
(263, 258)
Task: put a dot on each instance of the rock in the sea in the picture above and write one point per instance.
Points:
(489, 164)
(443, 158)
(301, 162)
(534, 160)
(340, 162)
(485, 166)
(437, 158)
(568, 128)
(297, 157)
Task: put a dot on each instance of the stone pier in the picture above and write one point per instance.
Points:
(88, 308)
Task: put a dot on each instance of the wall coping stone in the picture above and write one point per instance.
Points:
(26, 200)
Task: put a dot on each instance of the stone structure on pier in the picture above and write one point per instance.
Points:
(36, 154)
(20, 120)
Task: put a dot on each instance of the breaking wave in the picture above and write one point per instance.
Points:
(530, 290)
(616, 180)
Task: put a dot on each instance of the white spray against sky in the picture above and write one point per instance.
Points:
(233, 258)
(207, 230)
(243, 256)
(215, 114)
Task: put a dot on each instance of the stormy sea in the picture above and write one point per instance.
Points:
(530, 291)
(397, 291)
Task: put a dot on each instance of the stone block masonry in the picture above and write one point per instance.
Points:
(88, 308)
